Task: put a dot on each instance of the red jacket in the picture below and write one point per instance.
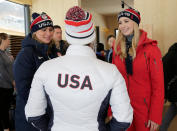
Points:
(146, 85)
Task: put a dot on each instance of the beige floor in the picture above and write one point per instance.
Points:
(173, 125)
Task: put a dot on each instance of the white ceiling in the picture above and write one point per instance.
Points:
(105, 7)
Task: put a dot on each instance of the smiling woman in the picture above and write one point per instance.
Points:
(35, 50)
(139, 61)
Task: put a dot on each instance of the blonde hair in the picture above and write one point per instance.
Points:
(120, 42)
(35, 38)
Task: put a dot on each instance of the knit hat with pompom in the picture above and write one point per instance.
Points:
(79, 29)
(40, 21)
(131, 14)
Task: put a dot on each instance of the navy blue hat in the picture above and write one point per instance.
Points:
(40, 21)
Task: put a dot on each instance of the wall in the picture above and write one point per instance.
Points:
(169, 23)
(56, 9)
(98, 20)
(27, 2)
(12, 32)
(112, 24)
(160, 16)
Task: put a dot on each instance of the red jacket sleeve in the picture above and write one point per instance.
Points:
(113, 54)
(109, 114)
(157, 85)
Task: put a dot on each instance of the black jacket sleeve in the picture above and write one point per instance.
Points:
(170, 65)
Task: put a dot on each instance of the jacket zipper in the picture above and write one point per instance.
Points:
(146, 104)
(146, 59)
(155, 63)
(147, 109)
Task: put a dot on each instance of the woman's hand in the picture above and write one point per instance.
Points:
(152, 125)
(59, 54)
(108, 119)
(13, 83)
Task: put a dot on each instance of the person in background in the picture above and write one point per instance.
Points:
(79, 86)
(35, 50)
(139, 60)
(6, 82)
(100, 53)
(110, 40)
(60, 44)
(170, 79)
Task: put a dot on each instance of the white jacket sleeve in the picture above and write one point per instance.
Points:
(37, 103)
(120, 102)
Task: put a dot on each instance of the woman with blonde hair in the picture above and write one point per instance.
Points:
(139, 61)
(35, 50)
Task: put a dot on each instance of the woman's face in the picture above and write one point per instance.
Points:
(45, 35)
(126, 26)
(6, 43)
(111, 41)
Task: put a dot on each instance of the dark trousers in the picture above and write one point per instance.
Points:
(6, 97)
(169, 115)
(21, 123)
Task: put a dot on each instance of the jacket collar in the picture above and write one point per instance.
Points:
(145, 40)
(40, 48)
(80, 50)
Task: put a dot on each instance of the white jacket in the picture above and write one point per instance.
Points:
(77, 84)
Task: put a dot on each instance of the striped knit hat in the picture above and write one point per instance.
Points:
(131, 14)
(40, 21)
(79, 29)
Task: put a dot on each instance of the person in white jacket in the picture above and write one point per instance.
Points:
(78, 87)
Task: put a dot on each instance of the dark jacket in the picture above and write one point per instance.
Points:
(109, 55)
(100, 56)
(30, 57)
(61, 49)
(170, 68)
